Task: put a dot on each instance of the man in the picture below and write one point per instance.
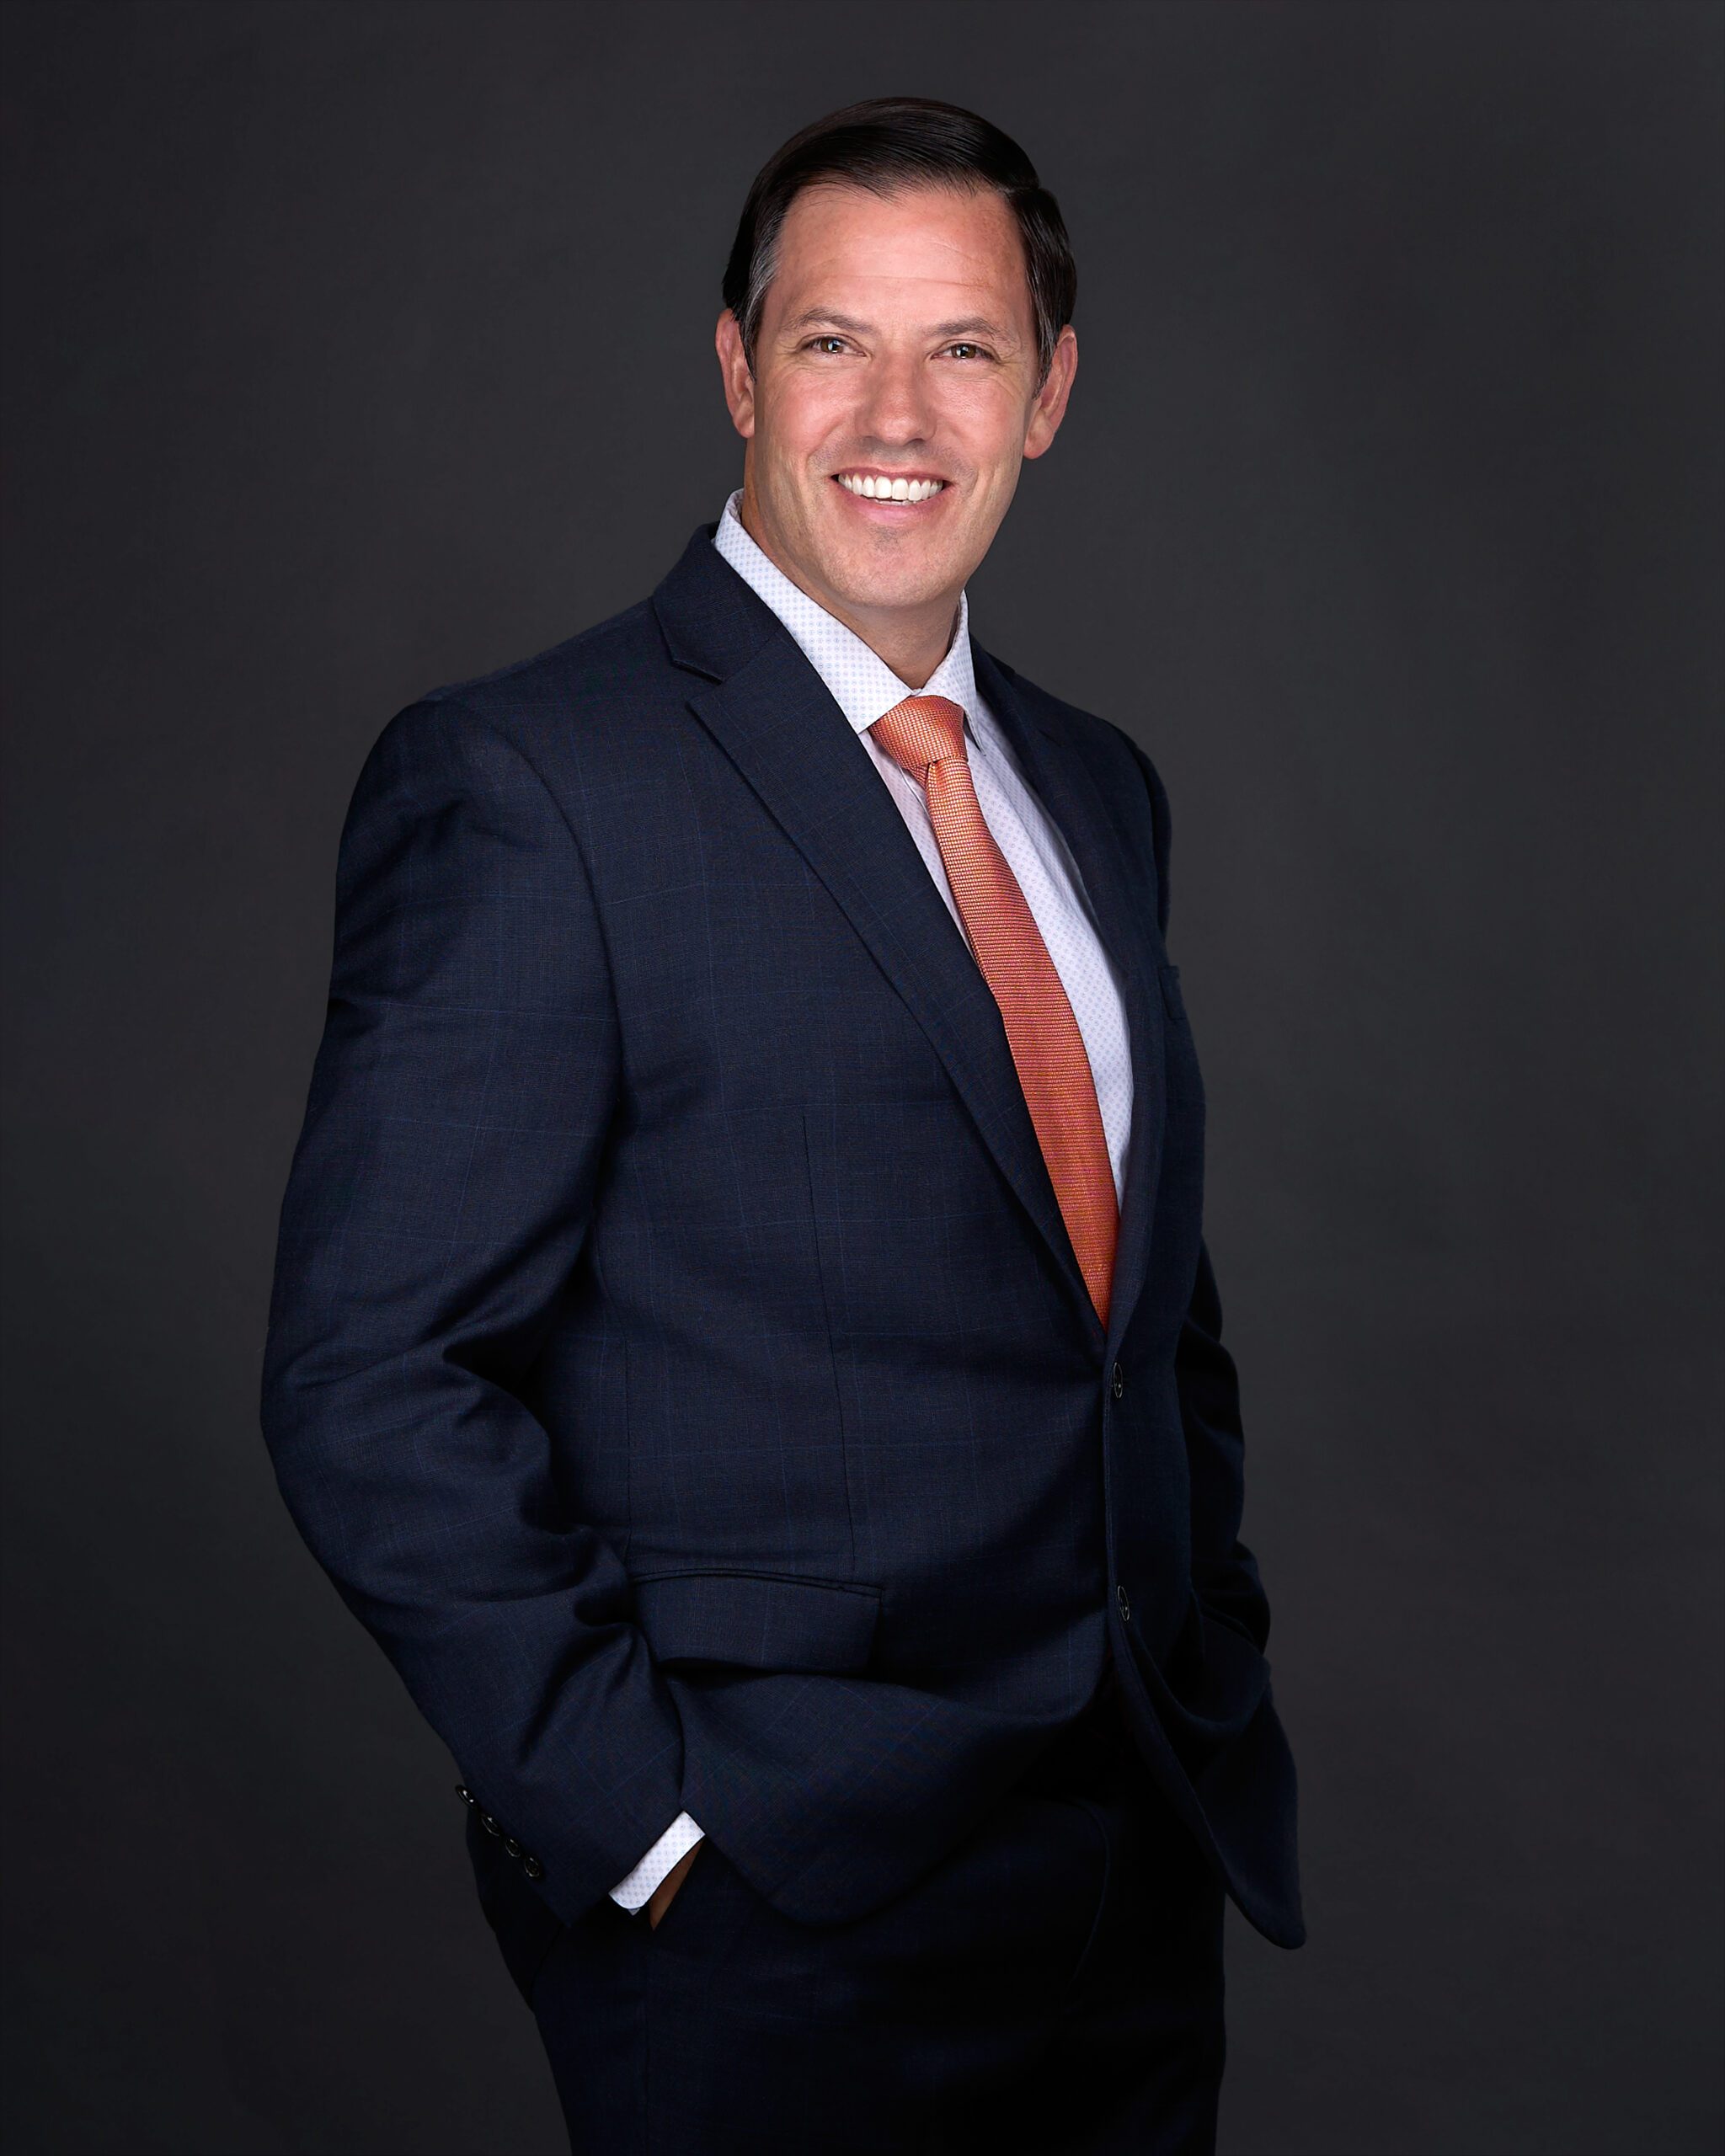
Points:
(743, 1343)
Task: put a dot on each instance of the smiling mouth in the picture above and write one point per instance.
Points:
(888, 487)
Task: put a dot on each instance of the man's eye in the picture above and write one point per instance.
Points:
(826, 343)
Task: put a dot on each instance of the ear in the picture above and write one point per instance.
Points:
(1049, 408)
(738, 379)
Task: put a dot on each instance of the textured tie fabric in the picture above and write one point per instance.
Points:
(925, 736)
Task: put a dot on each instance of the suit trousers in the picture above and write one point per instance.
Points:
(1053, 1987)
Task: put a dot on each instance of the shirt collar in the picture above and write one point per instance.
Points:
(862, 683)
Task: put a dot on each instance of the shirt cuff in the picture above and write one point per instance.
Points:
(636, 1890)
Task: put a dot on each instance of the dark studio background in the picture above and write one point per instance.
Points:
(353, 348)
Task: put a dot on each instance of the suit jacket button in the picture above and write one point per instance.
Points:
(1124, 1605)
(490, 1825)
(1119, 1385)
(511, 1844)
(532, 1867)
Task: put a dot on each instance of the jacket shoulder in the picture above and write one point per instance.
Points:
(1111, 747)
(622, 655)
(540, 707)
(1075, 722)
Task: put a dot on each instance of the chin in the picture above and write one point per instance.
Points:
(876, 585)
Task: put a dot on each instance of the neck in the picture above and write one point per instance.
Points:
(911, 640)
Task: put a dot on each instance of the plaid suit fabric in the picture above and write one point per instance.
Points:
(1056, 1983)
(674, 1358)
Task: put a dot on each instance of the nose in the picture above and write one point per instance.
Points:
(895, 403)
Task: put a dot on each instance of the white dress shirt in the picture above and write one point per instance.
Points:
(865, 688)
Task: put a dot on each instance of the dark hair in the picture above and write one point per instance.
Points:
(890, 143)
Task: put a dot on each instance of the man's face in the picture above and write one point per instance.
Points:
(894, 395)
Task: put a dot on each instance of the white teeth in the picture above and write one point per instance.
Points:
(883, 489)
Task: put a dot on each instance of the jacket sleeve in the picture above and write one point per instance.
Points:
(1224, 1570)
(441, 1194)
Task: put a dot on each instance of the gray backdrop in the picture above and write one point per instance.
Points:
(356, 348)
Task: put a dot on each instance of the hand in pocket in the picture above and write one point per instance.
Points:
(665, 1891)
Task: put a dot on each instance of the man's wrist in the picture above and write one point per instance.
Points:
(634, 1891)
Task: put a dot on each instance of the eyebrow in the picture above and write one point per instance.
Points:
(974, 325)
(969, 325)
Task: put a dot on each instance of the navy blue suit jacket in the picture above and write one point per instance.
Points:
(677, 1358)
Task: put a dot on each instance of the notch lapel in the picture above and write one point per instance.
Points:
(1122, 898)
(771, 714)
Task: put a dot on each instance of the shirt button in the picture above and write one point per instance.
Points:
(1124, 1605)
(1119, 1385)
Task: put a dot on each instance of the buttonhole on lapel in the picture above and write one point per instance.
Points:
(1171, 994)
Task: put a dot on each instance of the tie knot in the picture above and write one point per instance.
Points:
(922, 731)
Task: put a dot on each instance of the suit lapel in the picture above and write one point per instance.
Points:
(770, 711)
(1122, 898)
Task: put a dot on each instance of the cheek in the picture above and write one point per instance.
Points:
(804, 416)
(986, 420)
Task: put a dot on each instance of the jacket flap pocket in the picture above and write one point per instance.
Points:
(762, 1620)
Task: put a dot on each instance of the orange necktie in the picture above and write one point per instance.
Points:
(925, 736)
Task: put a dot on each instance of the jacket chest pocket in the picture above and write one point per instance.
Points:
(1185, 1083)
(1173, 1002)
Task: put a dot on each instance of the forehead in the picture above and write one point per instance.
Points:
(913, 250)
